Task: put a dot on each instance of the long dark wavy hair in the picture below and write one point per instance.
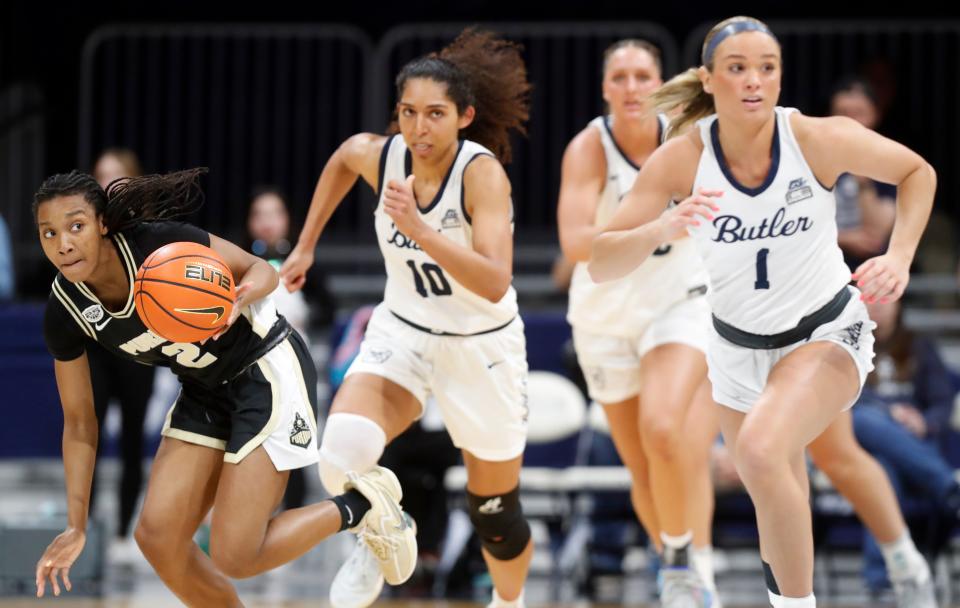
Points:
(129, 201)
(483, 71)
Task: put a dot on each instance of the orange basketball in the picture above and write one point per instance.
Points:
(184, 292)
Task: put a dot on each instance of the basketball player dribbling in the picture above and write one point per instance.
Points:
(244, 418)
(792, 341)
(448, 325)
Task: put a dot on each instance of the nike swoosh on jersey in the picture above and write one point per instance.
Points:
(213, 310)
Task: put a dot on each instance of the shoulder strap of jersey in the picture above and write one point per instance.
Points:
(63, 295)
(383, 163)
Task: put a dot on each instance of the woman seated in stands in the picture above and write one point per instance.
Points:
(900, 418)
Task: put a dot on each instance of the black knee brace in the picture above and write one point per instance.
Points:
(499, 522)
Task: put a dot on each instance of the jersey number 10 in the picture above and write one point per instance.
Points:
(434, 274)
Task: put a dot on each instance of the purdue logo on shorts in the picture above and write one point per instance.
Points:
(300, 433)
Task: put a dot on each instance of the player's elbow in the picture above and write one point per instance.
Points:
(574, 249)
(598, 263)
(921, 176)
(930, 173)
(498, 288)
(598, 271)
(273, 277)
(80, 423)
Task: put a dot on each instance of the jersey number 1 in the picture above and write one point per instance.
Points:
(762, 282)
(438, 283)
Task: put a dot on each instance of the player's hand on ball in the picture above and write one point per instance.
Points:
(238, 304)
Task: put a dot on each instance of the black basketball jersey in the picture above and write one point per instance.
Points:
(74, 312)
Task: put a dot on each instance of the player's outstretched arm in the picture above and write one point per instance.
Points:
(358, 156)
(837, 145)
(80, 436)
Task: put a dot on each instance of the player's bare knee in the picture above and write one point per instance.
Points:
(760, 460)
(500, 524)
(662, 435)
(839, 466)
(231, 560)
(634, 459)
(155, 545)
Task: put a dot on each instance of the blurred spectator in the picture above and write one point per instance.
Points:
(115, 163)
(904, 408)
(268, 228)
(7, 280)
(269, 237)
(865, 208)
(122, 381)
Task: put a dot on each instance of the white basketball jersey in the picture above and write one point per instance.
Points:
(418, 289)
(673, 273)
(771, 251)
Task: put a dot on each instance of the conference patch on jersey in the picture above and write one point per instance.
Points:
(93, 314)
(798, 190)
(451, 219)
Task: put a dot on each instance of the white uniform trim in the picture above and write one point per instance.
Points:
(261, 315)
(187, 436)
(72, 309)
(126, 256)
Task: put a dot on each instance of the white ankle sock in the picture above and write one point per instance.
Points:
(499, 602)
(903, 560)
(798, 602)
(677, 542)
(702, 558)
(775, 600)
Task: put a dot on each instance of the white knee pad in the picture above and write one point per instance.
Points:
(350, 443)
